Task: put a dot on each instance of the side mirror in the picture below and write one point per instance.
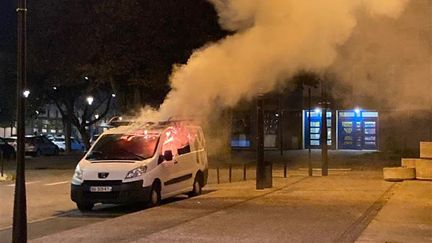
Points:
(168, 156)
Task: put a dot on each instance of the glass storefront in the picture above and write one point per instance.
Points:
(312, 131)
(358, 130)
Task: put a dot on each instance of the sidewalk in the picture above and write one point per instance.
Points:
(337, 208)
(407, 217)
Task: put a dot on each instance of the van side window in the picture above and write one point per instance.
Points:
(177, 140)
(184, 150)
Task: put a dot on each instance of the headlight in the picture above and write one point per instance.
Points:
(136, 172)
(77, 178)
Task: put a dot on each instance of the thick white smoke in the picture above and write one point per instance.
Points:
(390, 60)
(272, 40)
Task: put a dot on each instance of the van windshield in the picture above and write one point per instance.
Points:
(124, 147)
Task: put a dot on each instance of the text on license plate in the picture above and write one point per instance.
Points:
(100, 188)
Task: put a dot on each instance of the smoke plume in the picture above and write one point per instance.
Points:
(390, 60)
(271, 41)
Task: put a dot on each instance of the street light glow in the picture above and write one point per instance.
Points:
(90, 100)
(357, 110)
(86, 78)
(113, 95)
(26, 93)
(54, 88)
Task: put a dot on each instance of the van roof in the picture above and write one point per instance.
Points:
(150, 127)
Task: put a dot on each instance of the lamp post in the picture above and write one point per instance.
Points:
(324, 147)
(263, 168)
(19, 228)
(260, 173)
(90, 100)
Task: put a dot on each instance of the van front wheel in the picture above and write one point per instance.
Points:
(155, 196)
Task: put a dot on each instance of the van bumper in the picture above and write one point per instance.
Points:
(120, 193)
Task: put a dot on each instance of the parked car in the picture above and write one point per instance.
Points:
(37, 145)
(76, 145)
(7, 149)
(149, 164)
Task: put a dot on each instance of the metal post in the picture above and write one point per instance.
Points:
(310, 172)
(280, 122)
(19, 229)
(217, 175)
(324, 149)
(285, 170)
(260, 168)
(2, 162)
(230, 172)
(244, 172)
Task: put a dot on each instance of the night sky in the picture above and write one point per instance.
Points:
(7, 25)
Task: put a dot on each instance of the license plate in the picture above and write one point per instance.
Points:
(100, 188)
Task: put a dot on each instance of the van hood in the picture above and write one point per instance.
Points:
(108, 169)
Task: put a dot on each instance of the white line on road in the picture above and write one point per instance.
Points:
(27, 183)
(57, 183)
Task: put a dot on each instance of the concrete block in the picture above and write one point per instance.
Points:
(424, 169)
(426, 150)
(399, 173)
(408, 162)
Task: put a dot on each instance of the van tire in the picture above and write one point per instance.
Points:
(155, 195)
(197, 186)
(85, 207)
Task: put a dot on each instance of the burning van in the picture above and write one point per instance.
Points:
(153, 162)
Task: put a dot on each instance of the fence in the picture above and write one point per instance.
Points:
(227, 173)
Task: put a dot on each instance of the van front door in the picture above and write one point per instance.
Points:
(176, 175)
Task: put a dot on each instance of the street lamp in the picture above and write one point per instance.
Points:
(113, 95)
(26, 93)
(90, 100)
(19, 228)
(357, 111)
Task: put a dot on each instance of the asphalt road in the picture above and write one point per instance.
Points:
(49, 206)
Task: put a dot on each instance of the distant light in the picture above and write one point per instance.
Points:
(26, 93)
(54, 88)
(97, 116)
(120, 118)
(86, 78)
(318, 110)
(113, 95)
(37, 112)
(90, 100)
(277, 114)
(357, 110)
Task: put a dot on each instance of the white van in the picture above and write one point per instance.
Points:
(151, 163)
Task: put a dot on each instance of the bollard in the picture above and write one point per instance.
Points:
(2, 162)
(217, 175)
(285, 170)
(244, 172)
(230, 172)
